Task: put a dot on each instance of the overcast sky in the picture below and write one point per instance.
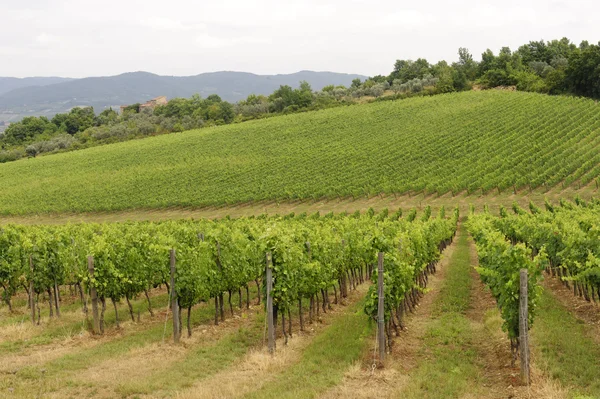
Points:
(78, 38)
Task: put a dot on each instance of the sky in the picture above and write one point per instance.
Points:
(79, 38)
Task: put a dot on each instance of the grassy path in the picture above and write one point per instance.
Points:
(453, 347)
(567, 348)
(330, 344)
(138, 345)
(324, 361)
(448, 360)
(361, 381)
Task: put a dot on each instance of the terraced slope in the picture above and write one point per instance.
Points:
(491, 141)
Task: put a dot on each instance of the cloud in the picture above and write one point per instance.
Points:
(60, 37)
(407, 19)
(213, 42)
(45, 39)
(161, 23)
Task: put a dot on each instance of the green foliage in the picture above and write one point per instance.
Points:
(421, 144)
(406, 70)
(211, 257)
(28, 129)
(500, 263)
(568, 234)
(133, 108)
(408, 251)
(286, 99)
(583, 73)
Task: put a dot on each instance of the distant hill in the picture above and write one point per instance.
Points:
(129, 88)
(9, 84)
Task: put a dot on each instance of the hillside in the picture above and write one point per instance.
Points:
(488, 142)
(7, 83)
(129, 88)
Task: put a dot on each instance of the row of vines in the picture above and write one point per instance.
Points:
(311, 255)
(563, 240)
(473, 142)
(568, 233)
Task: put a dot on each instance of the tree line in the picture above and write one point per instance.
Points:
(551, 67)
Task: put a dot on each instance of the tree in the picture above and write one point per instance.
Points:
(556, 81)
(406, 70)
(466, 64)
(377, 90)
(132, 109)
(496, 77)
(214, 98)
(397, 86)
(356, 83)
(27, 130)
(379, 79)
(79, 119)
(304, 95)
(105, 117)
(227, 114)
(559, 49)
(583, 72)
(59, 119)
(488, 62)
(534, 51)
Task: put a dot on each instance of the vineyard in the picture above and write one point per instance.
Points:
(491, 143)
(563, 240)
(412, 302)
(306, 268)
(309, 255)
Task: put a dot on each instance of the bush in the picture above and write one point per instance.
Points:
(57, 143)
(495, 78)
(528, 81)
(12, 155)
(145, 128)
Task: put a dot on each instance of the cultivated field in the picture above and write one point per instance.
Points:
(459, 193)
(490, 142)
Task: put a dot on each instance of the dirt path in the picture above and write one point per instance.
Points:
(405, 201)
(143, 365)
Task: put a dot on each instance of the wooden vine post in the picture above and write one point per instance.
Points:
(524, 327)
(31, 299)
(270, 324)
(174, 302)
(380, 309)
(94, 297)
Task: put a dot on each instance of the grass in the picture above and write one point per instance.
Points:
(133, 363)
(198, 364)
(473, 141)
(66, 370)
(565, 349)
(325, 360)
(72, 322)
(448, 366)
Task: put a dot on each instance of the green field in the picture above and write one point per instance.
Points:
(470, 142)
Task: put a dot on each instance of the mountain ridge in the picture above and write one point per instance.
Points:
(9, 83)
(130, 87)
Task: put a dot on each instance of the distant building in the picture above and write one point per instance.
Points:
(161, 100)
